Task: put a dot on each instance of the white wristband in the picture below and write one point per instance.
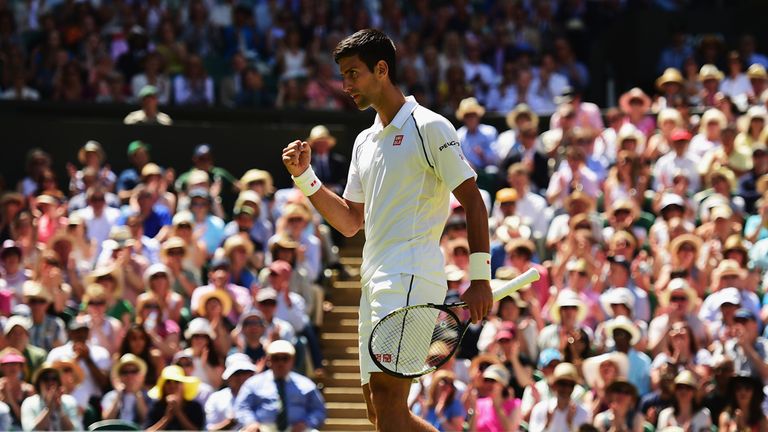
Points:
(480, 266)
(307, 182)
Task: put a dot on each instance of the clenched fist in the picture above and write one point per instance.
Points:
(296, 157)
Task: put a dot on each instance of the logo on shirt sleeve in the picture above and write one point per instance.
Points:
(448, 144)
(398, 140)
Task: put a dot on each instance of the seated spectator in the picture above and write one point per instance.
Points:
(210, 226)
(207, 359)
(561, 412)
(139, 344)
(625, 335)
(49, 409)
(254, 93)
(153, 75)
(442, 406)
(685, 409)
(164, 333)
(194, 86)
(174, 407)
(219, 279)
(577, 177)
(238, 249)
(278, 397)
(622, 411)
(16, 332)
(495, 407)
(746, 347)
(15, 389)
(128, 401)
(743, 404)
(567, 312)
(476, 139)
(220, 407)
(173, 254)
(600, 372)
(46, 331)
(636, 104)
(106, 331)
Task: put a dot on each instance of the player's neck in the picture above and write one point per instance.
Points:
(391, 101)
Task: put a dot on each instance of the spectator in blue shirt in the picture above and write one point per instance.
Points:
(156, 218)
(476, 139)
(209, 227)
(279, 398)
(138, 155)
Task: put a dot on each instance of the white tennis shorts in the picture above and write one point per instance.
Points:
(383, 294)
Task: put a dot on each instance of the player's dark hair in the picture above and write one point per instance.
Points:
(371, 46)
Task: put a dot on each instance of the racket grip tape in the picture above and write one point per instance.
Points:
(530, 276)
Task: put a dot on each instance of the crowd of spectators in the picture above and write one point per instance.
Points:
(151, 298)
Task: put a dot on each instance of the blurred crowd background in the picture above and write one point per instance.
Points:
(190, 294)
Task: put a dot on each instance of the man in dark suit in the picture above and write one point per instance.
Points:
(525, 151)
(330, 168)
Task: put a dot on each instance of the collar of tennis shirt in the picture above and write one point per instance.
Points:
(401, 116)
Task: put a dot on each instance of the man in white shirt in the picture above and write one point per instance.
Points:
(560, 413)
(220, 406)
(578, 177)
(402, 171)
(678, 160)
(94, 360)
(98, 217)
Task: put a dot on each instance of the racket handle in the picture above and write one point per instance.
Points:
(530, 276)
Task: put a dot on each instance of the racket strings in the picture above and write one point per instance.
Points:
(415, 340)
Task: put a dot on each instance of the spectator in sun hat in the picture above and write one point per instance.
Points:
(16, 332)
(476, 138)
(678, 158)
(276, 328)
(91, 154)
(746, 347)
(35, 411)
(600, 372)
(202, 159)
(106, 331)
(572, 176)
(260, 229)
(625, 335)
(16, 390)
(727, 274)
(248, 336)
(620, 275)
(683, 255)
(509, 143)
(214, 306)
(709, 136)
(156, 218)
(99, 218)
(679, 301)
(548, 361)
(184, 278)
(636, 105)
(208, 360)
(494, 407)
(220, 406)
(560, 413)
(329, 166)
(238, 249)
(150, 112)
(128, 401)
(210, 225)
(567, 312)
(174, 407)
(619, 301)
(46, 331)
(219, 277)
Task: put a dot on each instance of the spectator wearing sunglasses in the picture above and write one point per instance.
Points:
(46, 331)
(220, 406)
(50, 408)
(560, 413)
(128, 401)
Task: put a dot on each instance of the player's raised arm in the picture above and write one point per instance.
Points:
(344, 215)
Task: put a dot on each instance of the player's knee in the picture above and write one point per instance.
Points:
(371, 414)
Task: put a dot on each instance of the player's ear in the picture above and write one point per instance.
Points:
(381, 69)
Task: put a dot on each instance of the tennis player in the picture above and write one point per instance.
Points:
(402, 171)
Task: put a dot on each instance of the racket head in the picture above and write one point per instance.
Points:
(416, 340)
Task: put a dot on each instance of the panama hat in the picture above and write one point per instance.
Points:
(670, 76)
(521, 109)
(735, 242)
(257, 175)
(512, 228)
(174, 242)
(469, 105)
(591, 367)
(757, 71)
(712, 115)
(47, 366)
(710, 71)
(679, 284)
(199, 326)
(224, 299)
(34, 289)
(626, 324)
(128, 359)
(175, 373)
(91, 147)
(281, 347)
(498, 373)
(578, 196)
(321, 132)
(72, 364)
(674, 245)
(625, 204)
(686, 378)
(564, 372)
(726, 174)
(730, 267)
(634, 94)
(236, 241)
(506, 195)
(565, 298)
(110, 270)
(619, 295)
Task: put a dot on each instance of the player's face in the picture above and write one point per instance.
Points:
(359, 81)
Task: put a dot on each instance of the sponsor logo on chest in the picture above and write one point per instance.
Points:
(398, 140)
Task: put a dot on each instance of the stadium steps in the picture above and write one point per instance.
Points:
(338, 336)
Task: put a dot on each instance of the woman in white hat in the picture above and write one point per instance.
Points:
(659, 143)
(599, 372)
(713, 121)
(686, 410)
(751, 128)
(636, 105)
(208, 362)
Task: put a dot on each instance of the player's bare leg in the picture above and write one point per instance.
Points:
(369, 404)
(390, 401)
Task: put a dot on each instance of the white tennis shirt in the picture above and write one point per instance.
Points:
(404, 174)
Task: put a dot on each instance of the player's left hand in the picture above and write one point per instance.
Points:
(479, 299)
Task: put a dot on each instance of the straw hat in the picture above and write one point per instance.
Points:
(726, 174)
(257, 175)
(173, 243)
(630, 132)
(237, 241)
(519, 243)
(47, 366)
(248, 197)
(757, 71)
(284, 242)
(11, 196)
(591, 367)
(682, 239)
(77, 371)
(633, 94)
(91, 147)
(578, 196)
(296, 210)
(730, 267)
(94, 291)
(512, 228)
(619, 295)
(34, 289)
(128, 359)
(710, 71)
(564, 372)
(142, 300)
(672, 114)
(107, 270)
(224, 299)
(522, 109)
(155, 269)
(679, 284)
(183, 218)
(453, 273)
(625, 204)
(670, 76)
(196, 177)
(151, 169)
(506, 195)
(623, 323)
(687, 378)
(735, 242)
(567, 297)
(321, 132)
(175, 373)
(46, 199)
(712, 115)
(469, 105)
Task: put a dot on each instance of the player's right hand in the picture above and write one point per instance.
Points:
(296, 157)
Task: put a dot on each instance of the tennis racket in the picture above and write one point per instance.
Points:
(415, 340)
